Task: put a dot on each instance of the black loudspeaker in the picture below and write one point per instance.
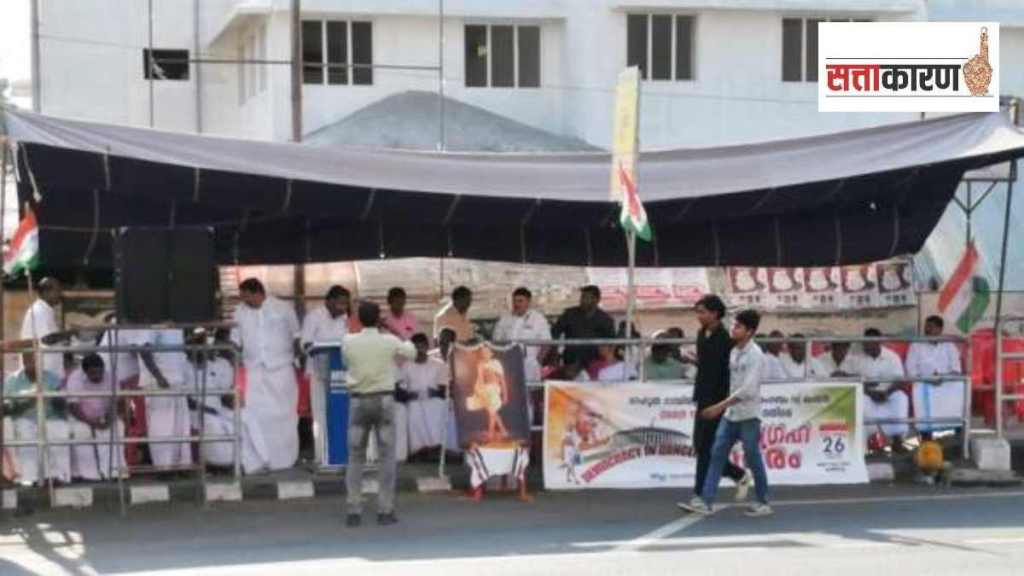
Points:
(165, 275)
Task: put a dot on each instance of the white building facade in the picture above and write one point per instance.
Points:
(717, 71)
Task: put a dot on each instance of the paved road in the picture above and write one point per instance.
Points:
(863, 531)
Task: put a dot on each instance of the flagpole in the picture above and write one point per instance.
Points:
(631, 236)
(43, 452)
(3, 335)
(630, 291)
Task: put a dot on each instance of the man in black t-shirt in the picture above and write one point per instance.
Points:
(712, 386)
(584, 321)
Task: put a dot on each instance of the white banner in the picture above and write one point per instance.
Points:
(885, 284)
(656, 288)
(638, 435)
(908, 66)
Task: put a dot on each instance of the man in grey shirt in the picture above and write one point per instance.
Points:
(742, 418)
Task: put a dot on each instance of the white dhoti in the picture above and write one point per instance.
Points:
(897, 405)
(271, 419)
(426, 423)
(487, 463)
(945, 400)
(9, 468)
(168, 417)
(221, 423)
(59, 457)
(92, 461)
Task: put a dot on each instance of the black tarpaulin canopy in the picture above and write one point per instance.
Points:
(840, 198)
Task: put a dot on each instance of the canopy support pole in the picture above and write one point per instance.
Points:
(999, 303)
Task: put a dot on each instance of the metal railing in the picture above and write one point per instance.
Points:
(113, 349)
(963, 421)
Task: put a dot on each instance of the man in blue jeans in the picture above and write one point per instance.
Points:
(741, 421)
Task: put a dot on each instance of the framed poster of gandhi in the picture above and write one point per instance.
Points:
(489, 396)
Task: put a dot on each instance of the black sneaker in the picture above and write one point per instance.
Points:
(387, 519)
(353, 520)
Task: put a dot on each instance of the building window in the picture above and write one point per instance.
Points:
(165, 64)
(502, 56)
(342, 48)
(662, 45)
(800, 47)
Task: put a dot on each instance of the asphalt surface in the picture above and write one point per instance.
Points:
(866, 530)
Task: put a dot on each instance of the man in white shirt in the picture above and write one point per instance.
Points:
(92, 419)
(883, 373)
(772, 370)
(40, 322)
(327, 323)
(166, 416)
(424, 383)
(523, 323)
(927, 361)
(836, 363)
(794, 364)
(268, 331)
(214, 413)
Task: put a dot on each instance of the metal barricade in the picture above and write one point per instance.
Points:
(116, 393)
(963, 421)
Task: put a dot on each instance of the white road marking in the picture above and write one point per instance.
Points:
(657, 534)
(886, 499)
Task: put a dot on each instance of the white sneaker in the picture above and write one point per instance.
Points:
(759, 509)
(743, 486)
(696, 507)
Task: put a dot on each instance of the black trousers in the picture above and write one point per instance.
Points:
(703, 440)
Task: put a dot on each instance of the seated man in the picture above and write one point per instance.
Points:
(423, 384)
(773, 371)
(218, 410)
(661, 365)
(836, 363)
(926, 362)
(794, 364)
(613, 368)
(93, 419)
(21, 420)
(883, 373)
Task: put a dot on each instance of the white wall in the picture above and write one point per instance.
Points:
(737, 96)
(91, 60)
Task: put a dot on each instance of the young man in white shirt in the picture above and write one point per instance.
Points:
(268, 332)
(741, 419)
(327, 323)
(927, 362)
(882, 371)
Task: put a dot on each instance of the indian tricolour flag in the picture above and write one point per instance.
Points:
(965, 297)
(624, 154)
(23, 252)
(632, 216)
